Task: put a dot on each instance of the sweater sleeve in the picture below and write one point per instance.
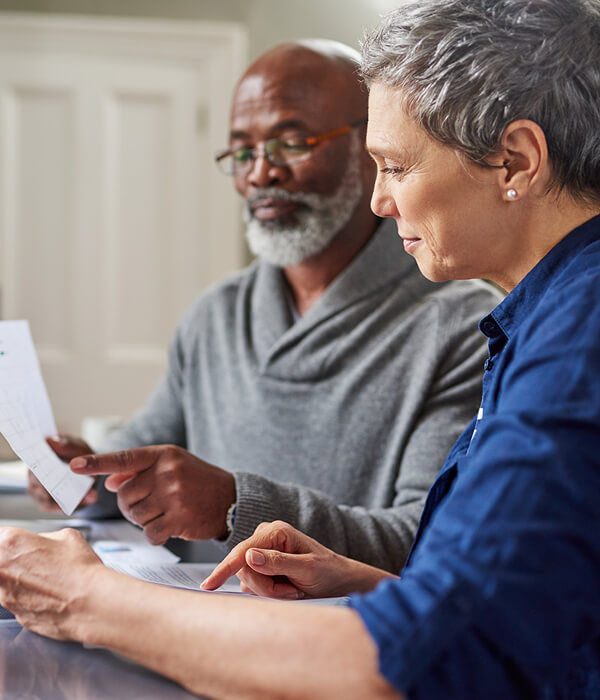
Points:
(383, 536)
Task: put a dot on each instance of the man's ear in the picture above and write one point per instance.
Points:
(524, 160)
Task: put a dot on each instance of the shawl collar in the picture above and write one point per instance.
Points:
(381, 261)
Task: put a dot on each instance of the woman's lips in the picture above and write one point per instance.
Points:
(266, 209)
(410, 243)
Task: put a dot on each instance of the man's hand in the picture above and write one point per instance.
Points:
(44, 578)
(166, 490)
(278, 550)
(65, 447)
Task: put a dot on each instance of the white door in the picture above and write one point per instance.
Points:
(112, 214)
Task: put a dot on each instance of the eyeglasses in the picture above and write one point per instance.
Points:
(279, 153)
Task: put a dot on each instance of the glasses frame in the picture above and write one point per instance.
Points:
(311, 141)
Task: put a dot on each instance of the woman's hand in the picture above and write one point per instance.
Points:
(44, 579)
(279, 561)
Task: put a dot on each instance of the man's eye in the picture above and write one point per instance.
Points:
(242, 155)
(295, 145)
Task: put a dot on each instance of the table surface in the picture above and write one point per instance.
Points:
(20, 506)
(34, 667)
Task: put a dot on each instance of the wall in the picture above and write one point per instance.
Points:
(268, 21)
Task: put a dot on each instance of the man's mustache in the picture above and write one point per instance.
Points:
(269, 193)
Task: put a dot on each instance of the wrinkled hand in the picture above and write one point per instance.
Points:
(278, 550)
(44, 578)
(65, 447)
(166, 490)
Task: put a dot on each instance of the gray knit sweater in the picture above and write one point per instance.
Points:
(338, 423)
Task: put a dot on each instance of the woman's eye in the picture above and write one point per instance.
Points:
(394, 172)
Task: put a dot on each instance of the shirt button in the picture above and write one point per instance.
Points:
(487, 365)
(463, 604)
(488, 327)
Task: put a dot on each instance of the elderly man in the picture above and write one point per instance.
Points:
(329, 379)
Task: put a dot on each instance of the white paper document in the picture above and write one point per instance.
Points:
(190, 576)
(182, 575)
(123, 547)
(26, 416)
(116, 542)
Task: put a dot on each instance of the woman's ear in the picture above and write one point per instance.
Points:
(524, 157)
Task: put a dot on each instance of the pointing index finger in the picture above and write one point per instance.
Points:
(122, 462)
(230, 565)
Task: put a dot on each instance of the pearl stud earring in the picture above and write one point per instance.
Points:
(512, 194)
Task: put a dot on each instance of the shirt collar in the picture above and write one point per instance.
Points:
(515, 307)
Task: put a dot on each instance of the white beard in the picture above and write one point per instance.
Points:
(315, 227)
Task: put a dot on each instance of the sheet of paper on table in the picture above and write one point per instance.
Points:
(182, 575)
(116, 542)
(190, 576)
(26, 417)
(123, 547)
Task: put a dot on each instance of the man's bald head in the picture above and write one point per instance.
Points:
(321, 51)
(294, 68)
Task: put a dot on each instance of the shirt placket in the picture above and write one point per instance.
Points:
(496, 341)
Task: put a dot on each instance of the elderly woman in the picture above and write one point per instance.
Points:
(483, 123)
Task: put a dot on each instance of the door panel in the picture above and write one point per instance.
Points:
(112, 214)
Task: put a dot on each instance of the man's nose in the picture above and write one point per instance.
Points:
(264, 174)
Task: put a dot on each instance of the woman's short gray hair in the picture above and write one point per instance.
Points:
(465, 69)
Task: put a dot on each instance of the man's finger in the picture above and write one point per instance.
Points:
(42, 498)
(49, 506)
(123, 462)
(67, 447)
(90, 497)
(113, 482)
(144, 512)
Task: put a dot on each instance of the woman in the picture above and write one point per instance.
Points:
(483, 124)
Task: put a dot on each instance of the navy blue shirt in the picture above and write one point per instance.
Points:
(500, 597)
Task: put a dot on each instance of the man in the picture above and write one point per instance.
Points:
(329, 379)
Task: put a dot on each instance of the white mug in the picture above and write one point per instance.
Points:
(95, 429)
